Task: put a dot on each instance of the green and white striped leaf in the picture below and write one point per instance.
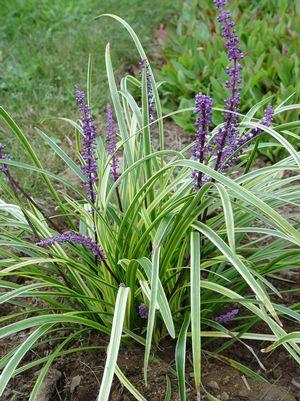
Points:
(239, 265)
(126, 383)
(114, 344)
(162, 302)
(152, 308)
(180, 356)
(295, 336)
(196, 309)
(228, 215)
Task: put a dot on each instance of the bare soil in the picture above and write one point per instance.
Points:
(77, 377)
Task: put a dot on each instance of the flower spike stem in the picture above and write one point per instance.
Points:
(72, 237)
(29, 198)
(227, 134)
(89, 154)
(111, 135)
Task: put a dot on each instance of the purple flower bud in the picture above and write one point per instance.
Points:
(144, 65)
(143, 311)
(203, 107)
(236, 149)
(111, 143)
(88, 152)
(3, 167)
(71, 237)
(268, 116)
(227, 316)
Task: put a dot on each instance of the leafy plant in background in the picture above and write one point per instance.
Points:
(194, 58)
(158, 237)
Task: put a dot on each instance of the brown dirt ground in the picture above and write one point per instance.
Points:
(77, 377)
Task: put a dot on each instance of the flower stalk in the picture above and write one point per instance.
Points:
(143, 65)
(203, 107)
(72, 237)
(88, 153)
(228, 133)
(15, 186)
(111, 135)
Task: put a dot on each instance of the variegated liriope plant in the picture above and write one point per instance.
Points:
(182, 241)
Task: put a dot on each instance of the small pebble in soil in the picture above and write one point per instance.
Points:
(75, 383)
(45, 391)
(224, 396)
(213, 384)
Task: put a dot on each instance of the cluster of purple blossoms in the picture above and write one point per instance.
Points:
(228, 133)
(3, 156)
(143, 64)
(236, 150)
(143, 311)
(203, 107)
(88, 146)
(112, 143)
(268, 117)
(226, 144)
(72, 237)
(227, 316)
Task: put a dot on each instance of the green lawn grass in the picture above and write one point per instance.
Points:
(44, 49)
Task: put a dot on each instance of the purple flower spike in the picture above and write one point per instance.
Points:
(237, 148)
(69, 237)
(3, 167)
(227, 316)
(268, 117)
(143, 311)
(266, 121)
(111, 143)
(88, 152)
(144, 64)
(227, 134)
(203, 107)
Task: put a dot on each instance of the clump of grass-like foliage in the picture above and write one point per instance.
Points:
(142, 244)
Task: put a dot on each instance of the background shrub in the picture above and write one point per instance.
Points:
(195, 59)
